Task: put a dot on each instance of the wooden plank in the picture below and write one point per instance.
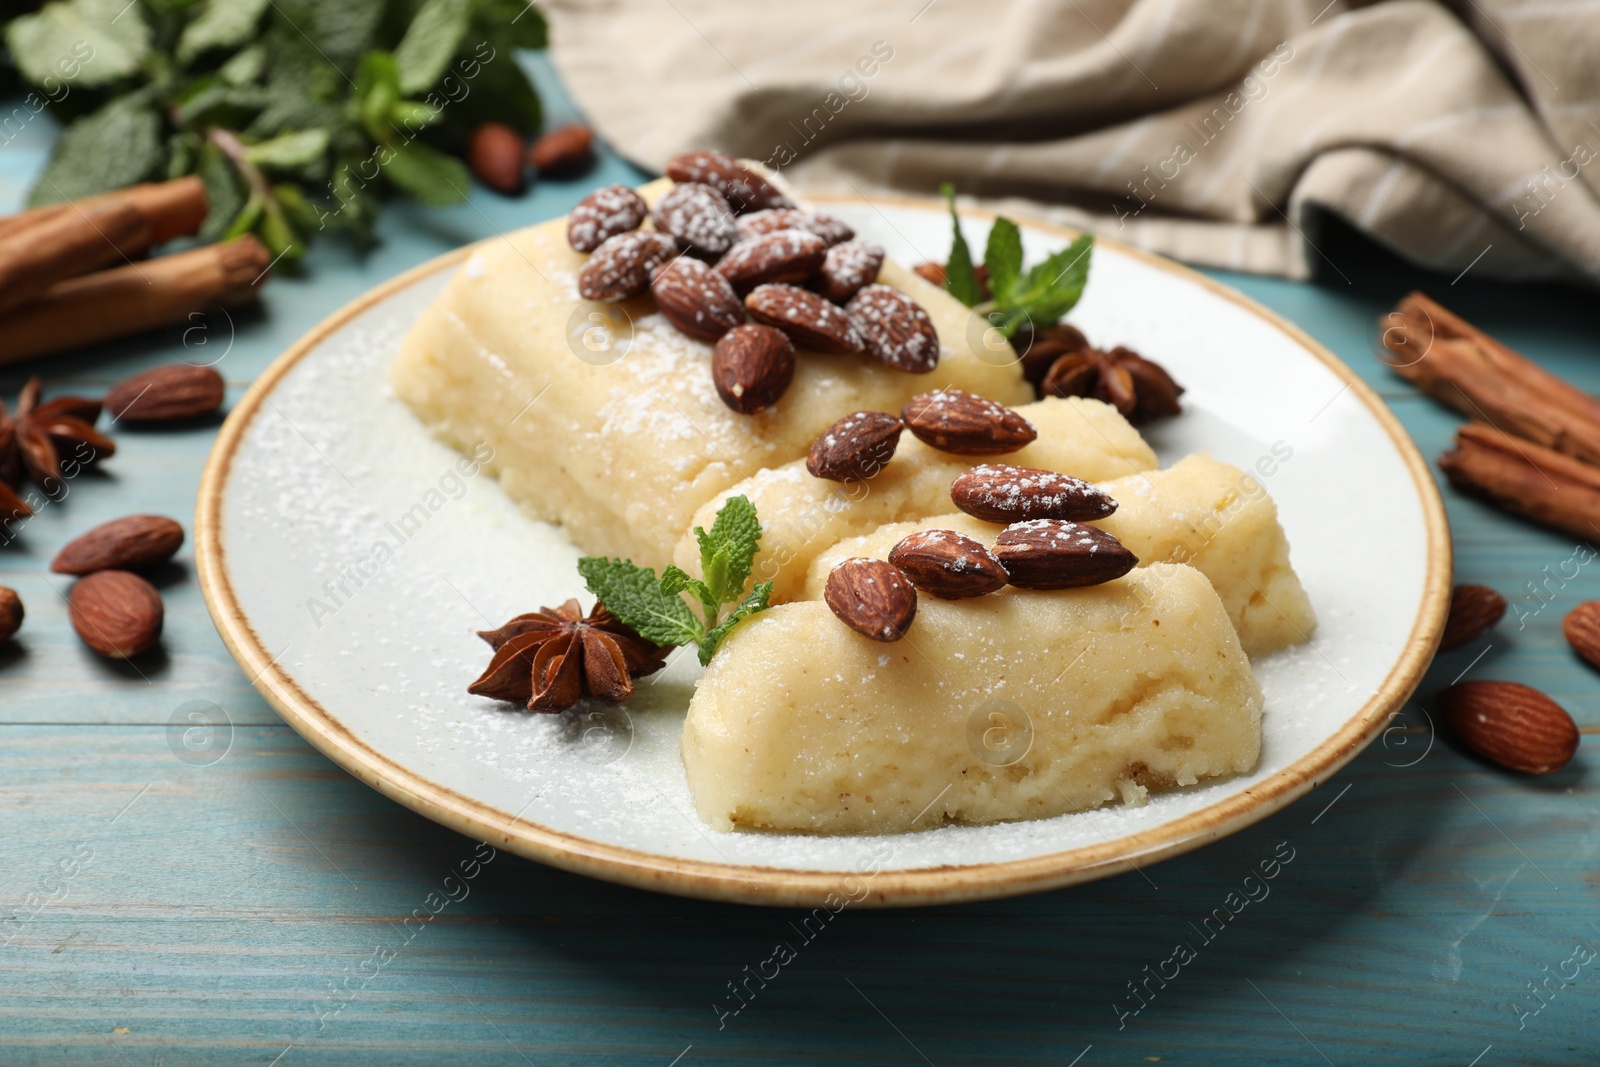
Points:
(216, 911)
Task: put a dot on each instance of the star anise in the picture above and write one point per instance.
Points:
(548, 659)
(42, 435)
(1141, 390)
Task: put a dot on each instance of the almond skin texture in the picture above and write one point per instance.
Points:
(1474, 610)
(621, 266)
(10, 613)
(134, 543)
(743, 188)
(948, 565)
(871, 597)
(1511, 724)
(965, 424)
(780, 256)
(825, 226)
(166, 394)
(494, 152)
(115, 613)
(752, 367)
(1582, 629)
(603, 214)
(998, 492)
(1055, 554)
(696, 299)
(848, 268)
(563, 151)
(894, 329)
(810, 321)
(855, 448)
(699, 218)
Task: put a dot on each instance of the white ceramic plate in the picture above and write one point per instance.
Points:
(347, 562)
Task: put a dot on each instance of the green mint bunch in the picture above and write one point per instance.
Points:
(1040, 297)
(298, 115)
(654, 607)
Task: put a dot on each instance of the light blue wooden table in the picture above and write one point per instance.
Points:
(251, 910)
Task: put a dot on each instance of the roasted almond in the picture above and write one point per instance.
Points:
(931, 272)
(871, 597)
(752, 367)
(1057, 554)
(698, 217)
(166, 394)
(562, 151)
(780, 256)
(696, 299)
(999, 492)
(495, 154)
(1474, 610)
(116, 613)
(603, 214)
(809, 320)
(894, 329)
(1510, 724)
(10, 613)
(825, 226)
(948, 565)
(1582, 627)
(622, 265)
(855, 448)
(133, 543)
(848, 268)
(743, 188)
(966, 424)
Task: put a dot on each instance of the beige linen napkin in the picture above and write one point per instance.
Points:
(1215, 131)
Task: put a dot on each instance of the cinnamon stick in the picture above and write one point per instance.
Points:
(173, 209)
(1463, 367)
(1526, 479)
(98, 307)
(76, 241)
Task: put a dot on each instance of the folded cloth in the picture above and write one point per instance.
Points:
(1215, 131)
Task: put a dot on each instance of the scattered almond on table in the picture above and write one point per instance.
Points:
(134, 543)
(1510, 724)
(116, 613)
(1582, 630)
(563, 151)
(10, 613)
(495, 154)
(1474, 611)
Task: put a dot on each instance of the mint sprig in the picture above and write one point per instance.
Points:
(299, 116)
(654, 606)
(1040, 297)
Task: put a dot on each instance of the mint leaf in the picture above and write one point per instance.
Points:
(736, 537)
(430, 43)
(224, 195)
(91, 42)
(634, 595)
(675, 580)
(959, 278)
(1052, 288)
(223, 24)
(428, 174)
(119, 145)
(290, 151)
(756, 601)
(1003, 257)
(377, 91)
